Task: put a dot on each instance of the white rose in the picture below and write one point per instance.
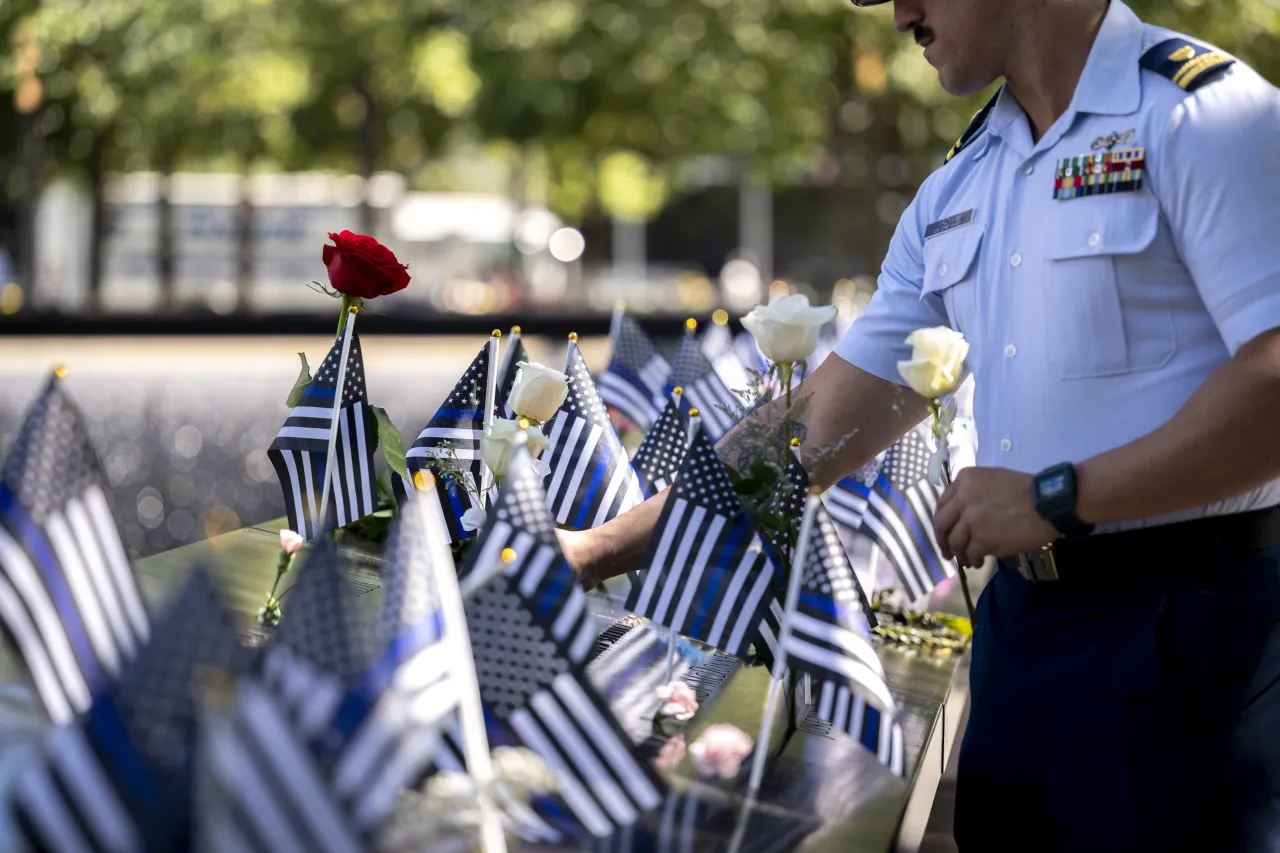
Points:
(937, 358)
(538, 391)
(497, 445)
(474, 518)
(786, 330)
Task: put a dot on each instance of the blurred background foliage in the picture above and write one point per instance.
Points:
(599, 107)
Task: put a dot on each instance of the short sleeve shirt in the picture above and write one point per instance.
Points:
(1093, 318)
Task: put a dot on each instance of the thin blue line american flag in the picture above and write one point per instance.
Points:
(261, 788)
(658, 459)
(633, 382)
(531, 636)
(704, 389)
(515, 354)
(828, 637)
(708, 574)
(896, 510)
(591, 479)
(455, 432)
(119, 777)
(385, 734)
(68, 598)
(300, 450)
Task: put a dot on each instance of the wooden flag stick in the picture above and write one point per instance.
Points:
(331, 456)
(780, 658)
(490, 396)
(475, 742)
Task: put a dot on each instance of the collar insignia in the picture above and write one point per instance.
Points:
(1117, 171)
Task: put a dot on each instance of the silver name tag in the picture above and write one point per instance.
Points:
(951, 222)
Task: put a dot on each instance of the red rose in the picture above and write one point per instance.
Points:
(360, 266)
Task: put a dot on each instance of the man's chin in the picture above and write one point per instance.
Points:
(959, 83)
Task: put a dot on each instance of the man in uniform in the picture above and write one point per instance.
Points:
(1105, 235)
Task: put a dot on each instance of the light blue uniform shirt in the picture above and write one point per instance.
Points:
(1092, 320)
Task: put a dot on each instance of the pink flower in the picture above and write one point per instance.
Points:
(678, 700)
(291, 541)
(720, 751)
(670, 755)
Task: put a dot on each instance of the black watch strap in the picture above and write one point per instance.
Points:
(1054, 492)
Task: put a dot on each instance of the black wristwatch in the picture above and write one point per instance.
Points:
(1054, 492)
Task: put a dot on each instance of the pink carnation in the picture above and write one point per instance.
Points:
(670, 755)
(720, 751)
(291, 541)
(678, 700)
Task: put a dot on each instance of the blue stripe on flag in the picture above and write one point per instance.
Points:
(351, 713)
(326, 391)
(454, 494)
(728, 554)
(408, 642)
(820, 603)
(554, 584)
(909, 517)
(106, 731)
(602, 465)
(38, 547)
(868, 737)
(460, 414)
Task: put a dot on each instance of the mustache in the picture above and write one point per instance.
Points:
(921, 33)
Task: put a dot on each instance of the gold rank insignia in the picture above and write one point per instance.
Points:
(1100, 173)
(1187, 64)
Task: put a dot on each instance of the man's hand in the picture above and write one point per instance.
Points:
(989, 511)
(581, 552)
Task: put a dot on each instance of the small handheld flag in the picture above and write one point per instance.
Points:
(633, 382)
(311, 436)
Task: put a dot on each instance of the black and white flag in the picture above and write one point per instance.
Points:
(301, 448)
(828, 637)
(662, 450)
(454, 433)
(895, 506)
(591, 479)
(261, 788)
(530, 637)
(708, 574)
(633, 382)
(704, 389)
(68, 598)
(119, 778)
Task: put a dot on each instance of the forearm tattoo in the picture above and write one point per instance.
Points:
(738, 451)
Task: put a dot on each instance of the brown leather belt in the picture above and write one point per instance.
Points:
(1162, 551)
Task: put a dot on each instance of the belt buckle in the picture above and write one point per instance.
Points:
(1040, 565)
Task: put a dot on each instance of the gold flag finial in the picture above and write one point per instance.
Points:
(573, 336)
(524, 423)
(60, 370)
(496, 333)
(515, 330)
(815, 491)
(677, 390)
(720, 317)
(691, 324)
(795, 442)
(354, 309)
(693, 413)
(620, 305)
(508, 555)
(423, 481)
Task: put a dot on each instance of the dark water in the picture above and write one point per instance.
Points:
(183, 436)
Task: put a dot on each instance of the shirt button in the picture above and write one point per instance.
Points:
(1095, 238)
(942, 270)
(1006, 445)
(1010, 351)
(1028, 170)
(1016, 260)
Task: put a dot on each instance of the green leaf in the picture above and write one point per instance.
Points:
(774, 522)
(391, 441)
(749, 486)
(300, 384)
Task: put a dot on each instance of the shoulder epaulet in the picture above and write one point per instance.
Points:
(975, 126)
(1186, 63)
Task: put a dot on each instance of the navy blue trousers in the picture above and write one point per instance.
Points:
(1125, 716)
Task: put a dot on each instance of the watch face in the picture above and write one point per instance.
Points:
(1051, 487)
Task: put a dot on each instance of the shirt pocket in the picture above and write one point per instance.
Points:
(1106, 310)
(950, 273)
